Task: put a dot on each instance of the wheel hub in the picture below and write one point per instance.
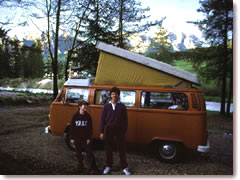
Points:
(167, 150)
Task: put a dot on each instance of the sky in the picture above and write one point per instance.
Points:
(177, 13)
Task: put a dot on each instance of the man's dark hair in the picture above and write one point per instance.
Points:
(116, 90)
(82, 102)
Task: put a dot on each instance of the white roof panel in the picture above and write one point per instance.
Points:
(77, 82)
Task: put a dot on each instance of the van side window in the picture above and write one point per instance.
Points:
(74, 95)
(102, 97)
(163, 100)
(126, 97)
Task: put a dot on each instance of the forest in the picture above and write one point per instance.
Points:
(114, 22)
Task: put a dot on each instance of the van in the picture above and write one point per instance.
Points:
(171, 119)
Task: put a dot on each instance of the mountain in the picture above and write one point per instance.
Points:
(179, 40)
(183, 41)
(137, 43)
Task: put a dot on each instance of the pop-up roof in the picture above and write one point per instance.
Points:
(117, 66)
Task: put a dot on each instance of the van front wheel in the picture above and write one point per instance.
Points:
(169, 151)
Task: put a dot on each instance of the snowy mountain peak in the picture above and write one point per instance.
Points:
(180, 41)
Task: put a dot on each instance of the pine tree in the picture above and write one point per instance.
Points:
(218, 30)
(160, 48)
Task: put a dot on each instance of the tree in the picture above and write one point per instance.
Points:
(15, 63)
(131, 19)
(54, 51)
(100, 23)
(160, 48)
(97, 26)
(32, 60)
(218, 30)
(86, 59)
(81, 17)
(4, 55)
(10, 56)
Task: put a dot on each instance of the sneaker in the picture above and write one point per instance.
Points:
(107, 170)
(126, 172)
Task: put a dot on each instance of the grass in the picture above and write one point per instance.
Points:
(219, 123)
(210, 89)
(25, 98)
(184, 65)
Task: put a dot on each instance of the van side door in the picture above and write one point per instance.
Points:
(162, 115)
(101, 97)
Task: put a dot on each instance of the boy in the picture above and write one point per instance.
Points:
(81, 136)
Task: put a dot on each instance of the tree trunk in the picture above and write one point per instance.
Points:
(223, 96)
(225, 58)
(230, 93)
(55, 62)
(121, 24)
(67, 64)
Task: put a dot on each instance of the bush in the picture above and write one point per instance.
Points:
(29, 83)
(25, 98)
(210, 90)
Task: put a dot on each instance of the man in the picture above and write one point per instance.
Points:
(114, 117)
(81, 135)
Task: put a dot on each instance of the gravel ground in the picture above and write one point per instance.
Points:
(26, 150)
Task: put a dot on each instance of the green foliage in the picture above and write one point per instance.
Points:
(86, 59)
(33, 66)
(219, 20)
(184, 65)
(10, 65)
(217, 28)
(210, 88)
(161, 49)
(20, 61)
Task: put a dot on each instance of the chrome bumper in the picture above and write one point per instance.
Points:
(47, 130)
(204, 149)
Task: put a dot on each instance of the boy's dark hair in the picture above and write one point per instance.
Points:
(116, 90)
(82, 102)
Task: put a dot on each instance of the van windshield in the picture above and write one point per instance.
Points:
(164, 100)
(126, 97)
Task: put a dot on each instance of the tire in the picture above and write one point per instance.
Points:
(70, 145)
(168, 151)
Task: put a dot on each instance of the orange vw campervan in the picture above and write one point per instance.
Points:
(164, 109)
(169, 118)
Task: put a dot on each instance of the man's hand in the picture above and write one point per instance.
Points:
(72, 141)
(101, 136)
(88, 141)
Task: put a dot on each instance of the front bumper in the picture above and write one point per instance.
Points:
(47, 130)
(204, 149)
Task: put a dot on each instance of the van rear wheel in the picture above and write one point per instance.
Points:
(70, 145)
(169, 151)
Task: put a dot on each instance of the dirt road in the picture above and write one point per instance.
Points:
(26, 149)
